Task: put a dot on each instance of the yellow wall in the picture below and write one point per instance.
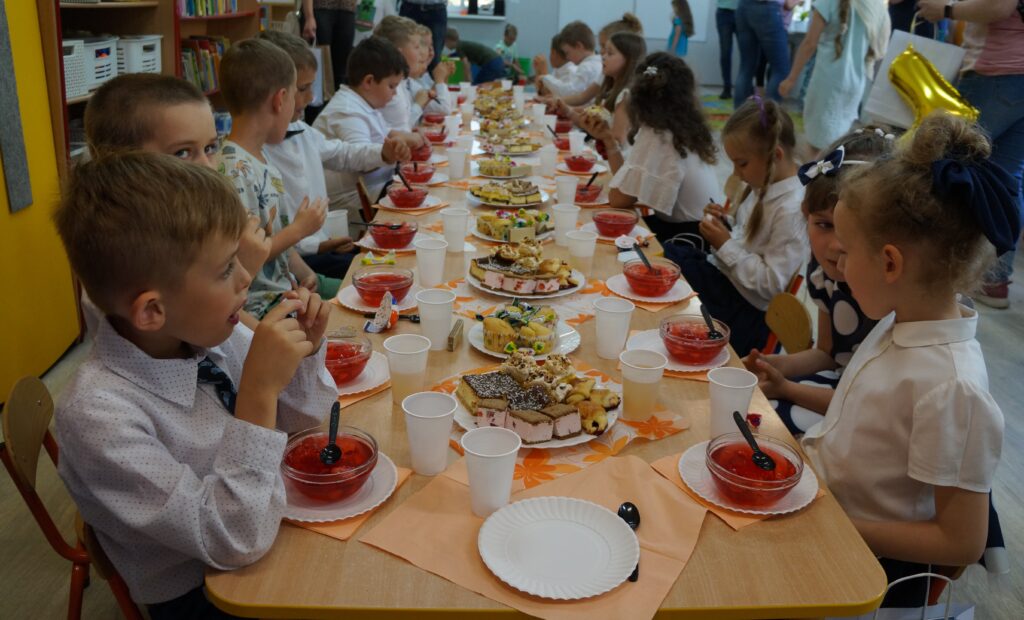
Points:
(38, 319)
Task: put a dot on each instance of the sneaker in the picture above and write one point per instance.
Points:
(726, 93)
(994, 295)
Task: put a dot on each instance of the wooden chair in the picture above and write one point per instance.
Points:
(789, 321)
(365, 200)
(106, 569)
(26, 422)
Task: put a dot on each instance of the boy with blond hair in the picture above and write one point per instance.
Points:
(434, 82)
(257, 79)
(404, 111)
(375, 73)
(305, 153)
(173, 430)
(577, 43)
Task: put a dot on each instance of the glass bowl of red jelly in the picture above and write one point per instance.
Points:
(347, 357)
(563, 125)
(586, 193)
(433, 118)
(580, 163)
(436, 136)
(386, 236)
(419, 173)
(562, 144)
(615, 222)
(687, 340)
(405, 198)
(422, 153)
(306, 474)
(372, 282)
(728, 458)
(648, 283)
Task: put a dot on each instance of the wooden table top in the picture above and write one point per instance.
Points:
(811, 564)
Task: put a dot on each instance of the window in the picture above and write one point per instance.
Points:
(476, 7)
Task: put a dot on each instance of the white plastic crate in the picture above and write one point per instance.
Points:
(138, 54)
(76, 81)
(100, 59)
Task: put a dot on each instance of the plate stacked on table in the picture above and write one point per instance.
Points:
(350, 298)
(651, 340)
(374, 375)
(568, 340)
(378, 488)
(620, 286)
(429, 203)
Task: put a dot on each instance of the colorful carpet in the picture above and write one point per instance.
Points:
(718, 111)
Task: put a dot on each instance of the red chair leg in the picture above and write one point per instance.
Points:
(124, 600)
(79, 575)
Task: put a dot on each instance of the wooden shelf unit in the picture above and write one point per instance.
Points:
(141, 4)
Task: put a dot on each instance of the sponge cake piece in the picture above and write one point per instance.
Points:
(473, 388)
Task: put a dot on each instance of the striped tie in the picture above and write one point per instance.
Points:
(221, 382)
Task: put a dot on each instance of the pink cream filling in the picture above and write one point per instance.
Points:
(568, 425)
(530, 433)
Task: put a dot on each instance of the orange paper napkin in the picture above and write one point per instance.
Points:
(350, 399)
(436, 531)
(653, 306)
(343, 530)
(419, 211)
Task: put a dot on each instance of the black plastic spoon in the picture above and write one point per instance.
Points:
(402, 177)
(629, 513)
(592, 177)
(553, 133)
(372, 224)
(760, 459)
(643, 257)
(713, 333)
(331, 453)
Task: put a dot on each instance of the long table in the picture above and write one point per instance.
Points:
(810, 564)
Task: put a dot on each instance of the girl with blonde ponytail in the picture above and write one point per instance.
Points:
(845, 37)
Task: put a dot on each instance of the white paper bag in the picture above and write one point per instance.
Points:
(884, 104)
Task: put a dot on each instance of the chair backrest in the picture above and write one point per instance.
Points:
(364, 200)
(25, 422)
(789, 320)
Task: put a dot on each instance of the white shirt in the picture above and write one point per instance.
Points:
(402, 113)
(171, 481)
(761, 267)
(443, 102)
(677, 188)
(563, 72)
(301, 160)
(350, 118)
(588, 72)
(911, 412)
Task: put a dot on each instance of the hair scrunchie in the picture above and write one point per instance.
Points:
(988, 190)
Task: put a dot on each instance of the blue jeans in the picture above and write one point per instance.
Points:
(759, 29)
(433, 16)
(1000, 99)
(494, 70)
(725, 19)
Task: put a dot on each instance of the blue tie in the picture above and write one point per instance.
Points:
(221, 382)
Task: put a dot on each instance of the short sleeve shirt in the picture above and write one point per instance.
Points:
(848, 324)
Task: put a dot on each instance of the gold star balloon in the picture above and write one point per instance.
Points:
(925, 89)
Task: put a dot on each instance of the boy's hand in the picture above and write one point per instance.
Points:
(312, 315)
(311, 216)
(443, 71)
(422, 98)
(338, 245)
(278, 345)
(540, 65)
(394, 151)
(309, 283)
(253, 246)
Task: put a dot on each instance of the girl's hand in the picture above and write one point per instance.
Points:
(714, 230)
(786, 86)
(311, 216)
(714, 210)
(395, 150)
(443, 71)
(339, 245)
(769, 378)
(596, 126)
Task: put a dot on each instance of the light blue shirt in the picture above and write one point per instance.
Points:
(728, 4)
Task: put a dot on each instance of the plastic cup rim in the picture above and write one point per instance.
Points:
(582, 235)
(424, 244)
(616, 300)
(626, 353)
(491, 430)
(449, 296)
(729, 370)
(450, 412)
(390, 348)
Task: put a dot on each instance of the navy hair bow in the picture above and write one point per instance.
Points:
(829, 166)
(991, 192)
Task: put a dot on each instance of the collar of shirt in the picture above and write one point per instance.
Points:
(930, 333)
(172, 379)
(295, 129)
(780, 188)
(354, 101)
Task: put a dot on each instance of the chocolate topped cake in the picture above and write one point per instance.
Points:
(532, 397)
(474, 388)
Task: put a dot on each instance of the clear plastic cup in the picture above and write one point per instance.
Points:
(641, 372)
(456, 225)
(550, 121)
(731, 390)
(428, 424)
(565, 216)
(565, 189)
(457, 162)
(466, 142)
(576, 139)
(613, 315)
(490, 462)
(538, 110)
(466, 109)
(436, 307)
(407, 362)
(451, 126)
(430, 261)
(581, 249)
(548, 160)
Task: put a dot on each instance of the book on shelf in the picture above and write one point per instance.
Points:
(206, 8)
(200, 61)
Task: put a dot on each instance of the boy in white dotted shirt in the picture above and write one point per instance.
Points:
(175, 469)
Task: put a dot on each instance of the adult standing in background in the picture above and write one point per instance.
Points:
(725, 20)
(901, 12)
(761, 29)
(992, 80)
(333, 23)
(434, 15)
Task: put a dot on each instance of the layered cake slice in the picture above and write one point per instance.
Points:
(531, 426)
(474, 388)
(566, 420)
(492, 412)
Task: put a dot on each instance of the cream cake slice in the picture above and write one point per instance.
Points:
(566, 420)
(531, 426)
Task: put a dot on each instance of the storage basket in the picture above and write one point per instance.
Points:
(138, 54)
(100, 59)
(76, 80)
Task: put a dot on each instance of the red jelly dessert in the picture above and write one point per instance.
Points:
(648, 283)
(562, 144)
(615, 222)
(563, 125)
(306, 473)
(579, 163)
(386, 236)
(422, 153)
(372, 282)
(436, 136)
(461, 98)
(587, 194)
(687, 340)
(418, 173)
(433, 118)
(347, 357)
(734, 473)
(405, 198)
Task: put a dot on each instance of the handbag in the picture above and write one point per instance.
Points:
(884, 104)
